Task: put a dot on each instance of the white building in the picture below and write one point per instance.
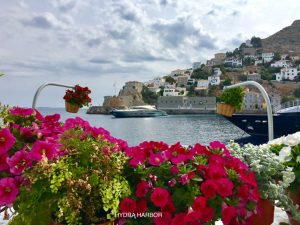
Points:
(233, 62)
(214, 80)
(258, 62)
(196, 65)
(253, 101)
(287, 74)
(267, 56)
(177, 72)
(202, 85)
(217, 71)
(281, 63)
(174, 92)
(156, 82)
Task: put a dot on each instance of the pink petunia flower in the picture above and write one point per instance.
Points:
(209, 188)
(7, 140)
(178, 219)
(224, 187)
(8, 191)
(3, 163)
(160, 197)
(156, 159)
(164, 219)
(228, 213)
(24, 112)
(142, 189)
(41, 148)
(19, 162)
(128, 205)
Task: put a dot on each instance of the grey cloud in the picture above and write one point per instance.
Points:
(211, 13)
(127, 12)
(175, 33)
(94, 42)
(45, 21)
(235, 13)
(99, 61)
(67, 5)
(143, 57)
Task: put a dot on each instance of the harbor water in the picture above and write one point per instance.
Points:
(186, 129)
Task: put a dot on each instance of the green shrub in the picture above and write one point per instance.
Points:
(233, 97)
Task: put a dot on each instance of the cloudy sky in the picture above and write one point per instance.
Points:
(99, 43)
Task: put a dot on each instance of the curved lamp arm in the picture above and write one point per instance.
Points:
(267, 99)
(37, 93)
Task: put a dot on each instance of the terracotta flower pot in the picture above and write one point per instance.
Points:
(265, 214)
(295, 196)
(225, 109)
(71, 108)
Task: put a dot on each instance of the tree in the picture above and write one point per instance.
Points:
(170, 80)
(243, 78)
(256, 42)
(248, 61)
(200, 74)
(149, 97)
(276, 56)
(297, 93)
(265, 74)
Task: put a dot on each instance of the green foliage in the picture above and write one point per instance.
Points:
(297, 93)
(243, 78)
(256, 42)
(276, 56)
(82, 187)
(248, 61)
(265, 74)
(200, 74)
(233, 97)
(170, 80)
(149, 97)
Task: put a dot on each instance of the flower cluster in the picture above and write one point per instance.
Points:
(189, 185)
(80, 166)
(287, 149)
(272, 177)
(79, 96)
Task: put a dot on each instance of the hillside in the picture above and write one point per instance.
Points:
(286, 40)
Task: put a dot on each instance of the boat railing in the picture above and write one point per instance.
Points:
(292, 103)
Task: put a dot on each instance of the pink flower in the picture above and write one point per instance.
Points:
(77, 122)
(19, 162)
(165, 219)
(156, 159)
(41, 147)
(172, 182)
(216, 171)
(141, 206)
(169, 207)
(7, 140)
(160, 197)
(174, 169)
(178, 219)
(24, 112)
(228, 213)
(224, 187)
(142, 189)
(209, 188)
(3, 163)
(243, 192)
(137, 156)
(8, 191)
(26, 132)
(200, 203)
(128, 205)
(219, 145)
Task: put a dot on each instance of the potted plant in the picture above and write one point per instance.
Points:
(77, 98)
(272, 178)
(288, 150)
(187, 185)
(231, 101)
(55, 173)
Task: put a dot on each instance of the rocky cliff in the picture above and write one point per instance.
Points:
(286, 40)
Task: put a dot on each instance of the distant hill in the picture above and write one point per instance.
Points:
(285, 41)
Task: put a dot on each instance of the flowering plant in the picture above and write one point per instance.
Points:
(188, 185)
(68, 173)
(271, 175)
(288, 150)
(79, 96)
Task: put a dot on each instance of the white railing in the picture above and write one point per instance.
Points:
(37, 93)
